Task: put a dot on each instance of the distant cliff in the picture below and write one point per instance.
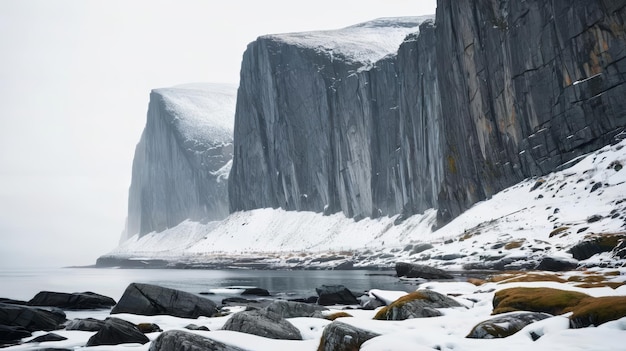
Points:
(495, 92)
(182, 161)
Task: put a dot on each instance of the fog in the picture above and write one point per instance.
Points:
(75, 77)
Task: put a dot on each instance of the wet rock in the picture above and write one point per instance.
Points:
(262, 323)
(335, 295)
(87, 324)
(149, 300)
(48, 337)
(76, 301)
(117, 331)
(182, 341)
(338, 336)
(505, 325)
(412, 270)
(31, 318)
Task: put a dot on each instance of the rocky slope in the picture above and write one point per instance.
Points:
(496, 92)
(182, 161)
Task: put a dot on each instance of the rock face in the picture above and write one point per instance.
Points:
(182, 161)
(458, 112)
(149, 300)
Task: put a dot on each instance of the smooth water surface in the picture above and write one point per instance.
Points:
(24, 284)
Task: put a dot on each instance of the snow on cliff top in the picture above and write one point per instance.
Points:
(363, 43)
(202, 112)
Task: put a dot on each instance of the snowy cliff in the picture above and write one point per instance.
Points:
(494, 93)
(183, 158)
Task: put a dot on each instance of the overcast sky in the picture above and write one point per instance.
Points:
(75, 77)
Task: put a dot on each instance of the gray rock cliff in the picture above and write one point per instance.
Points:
(181, 163)
(495, 92)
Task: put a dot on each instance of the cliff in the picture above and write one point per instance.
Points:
(495, 92)
(182, 160)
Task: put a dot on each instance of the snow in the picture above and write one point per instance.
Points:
(203, 112)
(363, 43)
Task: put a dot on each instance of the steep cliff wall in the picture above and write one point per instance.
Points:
(525, 86)
(182, 161)
(321, 125)
(496, 92)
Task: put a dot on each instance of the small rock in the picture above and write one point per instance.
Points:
(117, 331)
(411, 270)
(48, 337)
(196, 327)
(556, 264)
(87, 324)
(256, 292)
(147, 328)
(335, 295)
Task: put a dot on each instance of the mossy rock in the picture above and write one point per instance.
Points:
(596, 243)
(527, 277)
(599, 310)
(332, 317)
(418, 304)
(548, 300)
(505, 325)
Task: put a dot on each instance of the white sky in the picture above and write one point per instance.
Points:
(75, 77)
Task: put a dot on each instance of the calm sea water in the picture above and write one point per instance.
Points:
(24, 284)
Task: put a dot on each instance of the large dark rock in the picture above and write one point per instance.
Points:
(263, 323)
(86, 324)
(256, 292)
(147, 299)
(182, 341)
(505, 325)
(556, 264)
(31, 318)
(117, 331)
(48, 337)
(412, 270)
(338, 336)
(596, 243)
(335, 295)
(11, 334)
(75, 301)
(419, 304)
(292, 309)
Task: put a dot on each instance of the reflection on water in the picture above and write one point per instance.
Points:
(24, 284)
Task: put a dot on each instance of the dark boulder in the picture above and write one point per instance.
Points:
(505, 325)
(412, 270)
(263, 323)
(13, 302)
(596, 243)
(117, 331)
(556, 264)
(196, 327)
(87, 324)
(291, 309)
(370, 303)
(48, 337)
(338, 336)
(75, 301)
(31, 318)
(335, 295)
(11, 334)
(148, 328)
(256, 292)
(149, 300)
(182, 341)
(418, 304)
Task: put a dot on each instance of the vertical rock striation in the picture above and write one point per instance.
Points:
(495, 92)
(181, 163)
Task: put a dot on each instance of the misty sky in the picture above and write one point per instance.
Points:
(75, 77)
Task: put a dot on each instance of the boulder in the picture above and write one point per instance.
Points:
(48, 337)
(148, 328)
(263, 323)
(256, 292)
(11, 334)
(75, 301)
(412, 270)
(597, 311)
(418, 304)
(548, 300)
(505, 325)
(196, 327)
(335, 295)
(596, 243)
(87, 324)
(338, 336)
(31, 318)
(117, 331)
(556, 264)
(291, 309)
(149, 300)
(182, 341)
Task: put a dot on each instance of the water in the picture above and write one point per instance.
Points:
(24, 284)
